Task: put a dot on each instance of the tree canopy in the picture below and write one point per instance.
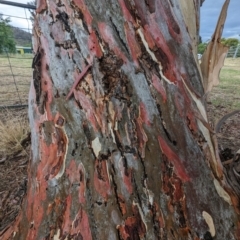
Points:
(230, 42)
(6, 36)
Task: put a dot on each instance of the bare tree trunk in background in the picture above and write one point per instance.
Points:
(121, 147)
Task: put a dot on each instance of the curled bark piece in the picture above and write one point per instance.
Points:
(214, 55)
(224, 119)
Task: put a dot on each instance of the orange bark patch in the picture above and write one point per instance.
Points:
(133, 227)
(101, 179)
(41, 5)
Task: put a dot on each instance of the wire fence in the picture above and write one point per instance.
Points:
(15, 53)
(234, 52)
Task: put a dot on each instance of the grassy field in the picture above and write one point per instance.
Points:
(227, 93)
(19, 66)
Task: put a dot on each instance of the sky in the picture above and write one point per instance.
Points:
(209, 16)
(210, 11)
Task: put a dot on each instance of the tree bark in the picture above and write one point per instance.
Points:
(121, 147)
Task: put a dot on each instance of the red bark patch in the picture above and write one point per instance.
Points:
(76, 175)
(94, 46)
(159, 87)
(141, 11)
(67, 223)
(81, 225)
(106, 33)
(143, 114)
(128, 17)
(53, 154)
(173, 27)
(122, 204)
(157, 215)
(37, 195)
(132, 43)
(126, 174)
(87, 106)
(133, 227)
(77, 227)
(163, 52)
(192, 124)
(174, 159)
(148, 37)
(141, 136)
(101, 179)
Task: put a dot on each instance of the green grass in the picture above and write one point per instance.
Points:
(227, 93)
(21, 67)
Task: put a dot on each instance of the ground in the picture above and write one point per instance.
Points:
(224, 99)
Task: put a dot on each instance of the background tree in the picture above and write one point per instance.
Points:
(230, 42)
(121, 146)
(202, 47)
(7, 42)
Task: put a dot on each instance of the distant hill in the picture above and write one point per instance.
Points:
(22, 38)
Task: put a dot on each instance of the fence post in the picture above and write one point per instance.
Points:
(236, 51)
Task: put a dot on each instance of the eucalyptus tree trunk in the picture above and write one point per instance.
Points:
(121, 146)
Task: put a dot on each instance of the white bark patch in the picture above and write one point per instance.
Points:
(141, 214)
(149, 194)
(116, 126)
(62, 170)
(199, 104)
(203, 129)
(207, 217)
(207, 136)
(221, 192)
(96, 146)
(111, 131)
(57, 236)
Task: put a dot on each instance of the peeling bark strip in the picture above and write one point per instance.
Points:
(130, 155)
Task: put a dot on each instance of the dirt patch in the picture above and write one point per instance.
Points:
(229, 133)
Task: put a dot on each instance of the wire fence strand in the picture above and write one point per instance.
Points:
(16, 66)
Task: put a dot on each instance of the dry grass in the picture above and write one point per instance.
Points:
(14, 128)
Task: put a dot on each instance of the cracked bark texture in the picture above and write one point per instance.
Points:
(121, 147)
